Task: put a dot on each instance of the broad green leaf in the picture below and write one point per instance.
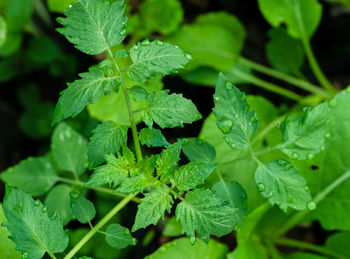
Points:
(304, 134)
(172, 228)
(58, 201)
(69, 149)
(82, 208)
(33, 231)
(233, 193)
(107, 138)
(202, 212)
(155, 58)
(198, 150)
(94, 26)
(167, 161)
(284, 53)
(138, 93)
(59, 5)
(7, 247)
(281, 184)
(163, 16)
(301, 17)
(152, 138)
(3, 31)
(233, 115)
(113, 107)
(119, 237)
(84, 91)
(153, 207)
(189, 176)
(39, 172)
(169, 110)
(339, 243)
(111, 173)
(181, 248)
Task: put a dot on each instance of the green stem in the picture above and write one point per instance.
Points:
(310, 247)
(309, 53)
(99, 225)
(302, 84)
(297, 217)
(99, 189)
(268, 86)
(273, 251)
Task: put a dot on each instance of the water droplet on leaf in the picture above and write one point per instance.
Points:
(74, 195)
(43, 210)
(333, 103)
(295, 156)
(225, 125)
(229, 85)
(135, 47)
(25, 255)
(261, 187)
(123, 32)
(216, 98)
(159, 43)
(37, 203)
(145, 42)
(311, 205)
(328, 135)
(310, 156)
(192, 240)
(188, 56)
(282, 162)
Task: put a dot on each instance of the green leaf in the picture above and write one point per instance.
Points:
(301, 17)
(152, 138)
(69, 149)
(33, 231)
(58, 201)
(135, 183)
(82, 208)
(119, 237)
(3, 31)
(94, 26)
(172, 228)
(281, 184)
(234, 194)
(169, 110)
(59, 5)
(39, 172)
(339, 243)
(284, 53)
(111, 173)
(198, 150)
(107, 138)
(163, 16)
(204, 213)
(188, 176)
(167, 161)
(233, 115)
(304, 134)
(153, 207)
(181, 248)
(7, 247)
(138, 93)
(84, 91)
(155, 58)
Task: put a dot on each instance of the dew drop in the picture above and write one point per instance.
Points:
(311, 205)
(74, 195)
(328, 135)
(145, 42)
(225, 125)
(25, 255)
(54, 216)
(229, 85)
(43, 210)
(176, 46)
(216, 98)
(70, 6)
(254, 118)
(37, 203)
(261, 187)
(306, 108)
(269, 195)
(232, 145)
(159, 43)
(322, 148)
(227, 139)
(123, 32)
(310, 156)
(199, 141)
(188, 56)
(192, 240)
(124, 23)
(135, 47)
(282, 162)
(333, 103)
(295, 156)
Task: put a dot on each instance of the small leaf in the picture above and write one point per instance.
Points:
(167, 161)
(233, 115)
(198, 150)
(304, 134)
(39, 172)
(138, 93)
(119, 237)
(82, 208)
(169, 110)
(94, 26)
(153, 207)
(32, 230)
(87, 90)
(189, 176)
(69, 149)
(107, 138)
(155, 58)
(152, 138)
(204, 213)
(280, 183)
(135, 183)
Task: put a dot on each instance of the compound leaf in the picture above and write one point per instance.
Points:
(281, 184)
(107, 138)
(169, 110)
(155, 58)
(119, 237)
(152, 138)
(94, 26)
(233, 115)
(204, 213)
(32, 230)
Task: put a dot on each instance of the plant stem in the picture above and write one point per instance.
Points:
(308, 246)
(99, 189)
(297, 217)
(273, 251)
(309, 53)
(99, 225)
(302, 84)
(268, 86)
